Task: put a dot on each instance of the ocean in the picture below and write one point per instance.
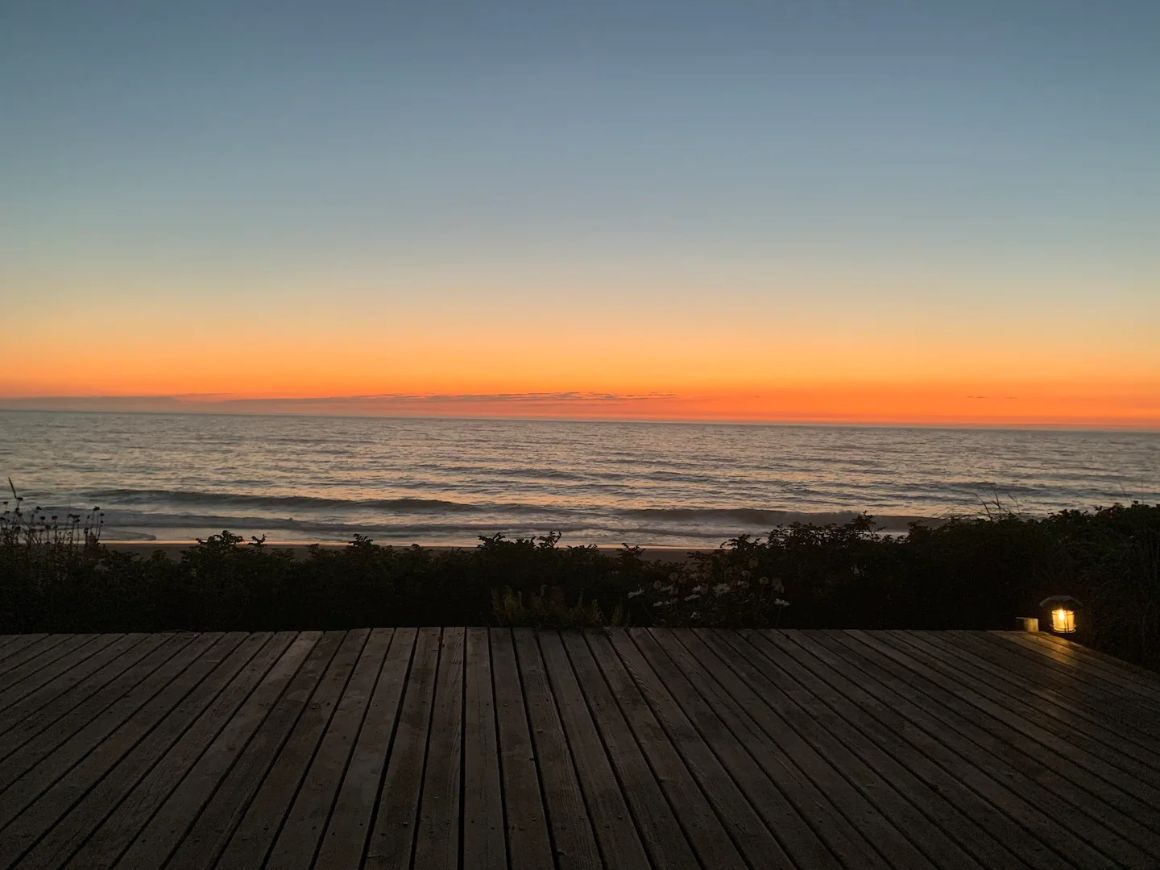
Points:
(173, 477)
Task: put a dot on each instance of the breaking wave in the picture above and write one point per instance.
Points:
(766, 519)
(278, 503)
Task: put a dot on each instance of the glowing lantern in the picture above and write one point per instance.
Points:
(1063, 608)
(1063, 621)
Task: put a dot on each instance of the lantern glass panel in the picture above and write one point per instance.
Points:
(1063, 621)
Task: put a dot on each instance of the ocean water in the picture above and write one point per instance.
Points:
(175, 477)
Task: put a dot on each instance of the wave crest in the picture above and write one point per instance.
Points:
(766, 519)
(198, 497)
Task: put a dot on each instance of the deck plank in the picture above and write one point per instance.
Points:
(38, 678)
(894, 746)
(1036, 696)
(1043, 801)
(19, 679)
(24, 720)
(1114, 785)
(1092, 766)
(258, 828)
(777, 693)
(224, 810)
(107, 776)
(346, 835)
(1053, 683)
(806, 810)
(1068, 658)
(612, 820)
(523, 748)
(14, 643)
(213, 743)
(667, 844)
(572, 833)
(201, 716)
(392, 840)
(711, 837)
(484, 842)
(528, 835)
(162, 676)
(954, 744)
(38, 645)
(745, 825)
(308, 816)
(993, 838)
(13, 711)
(1133, 676)
(437, 833)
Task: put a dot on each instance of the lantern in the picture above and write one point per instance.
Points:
(1062, 609)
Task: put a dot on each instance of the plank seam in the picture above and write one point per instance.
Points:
(321, 735)
(193, 720)
(128, 751)
(615, 769)
(790, 758)
(243, 810)
(75, 702)
(568, 743)
(503, 798)
(241, 750)
(353, 742)
(1007, 684)
(101, 712)
(819, 673)
(742, 710)
(390, 745)
(416, 816)
(535, 754)
(848, 642)
(660, 721)
(160, 759)
(603, 677)
(1090, 764)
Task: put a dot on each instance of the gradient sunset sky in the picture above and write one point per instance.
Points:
(928, 212)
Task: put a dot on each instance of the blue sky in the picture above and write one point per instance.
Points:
(916, 162)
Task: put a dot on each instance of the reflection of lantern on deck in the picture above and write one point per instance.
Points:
(1063, 608)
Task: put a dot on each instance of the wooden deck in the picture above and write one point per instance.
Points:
(486, 748)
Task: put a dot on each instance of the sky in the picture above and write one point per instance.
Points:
(926, 212)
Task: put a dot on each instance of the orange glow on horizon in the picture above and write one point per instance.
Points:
(728, 369)
(1132, 406)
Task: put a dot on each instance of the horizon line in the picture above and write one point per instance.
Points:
(1074, 426)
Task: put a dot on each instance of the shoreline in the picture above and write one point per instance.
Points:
(173, 549)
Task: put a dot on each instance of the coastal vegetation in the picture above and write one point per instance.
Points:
(967, 573)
